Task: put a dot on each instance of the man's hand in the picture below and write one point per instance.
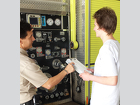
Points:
(70, 67)
(85, 76)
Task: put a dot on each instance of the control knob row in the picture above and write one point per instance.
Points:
(52, 95)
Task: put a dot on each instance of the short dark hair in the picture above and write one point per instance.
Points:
(107, 19)
(24, 27)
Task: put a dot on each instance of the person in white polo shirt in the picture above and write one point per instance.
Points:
(31, 76)
(105, 85)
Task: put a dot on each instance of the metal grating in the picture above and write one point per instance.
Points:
(80, 52)
(59, 7)
(80, 31)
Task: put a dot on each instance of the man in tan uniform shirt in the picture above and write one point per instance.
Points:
(31, 76)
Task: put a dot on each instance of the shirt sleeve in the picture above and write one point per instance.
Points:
(34, 75)
(109, 67)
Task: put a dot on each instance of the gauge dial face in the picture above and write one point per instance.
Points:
(50, 21)
(57, 22)
(63, 50)
(38, 34)
(39, 49)
(32, 55)
(48, 52)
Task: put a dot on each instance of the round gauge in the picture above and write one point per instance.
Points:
(32, 55)
(39, 49)
(50, 21)
(57, 22)
(48, 52)
(63, 50)
(38, 34)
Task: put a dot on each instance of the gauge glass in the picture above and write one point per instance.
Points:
(38, 34)
(48, 52)
(39, 49)
(57, 22)
(50, 21)
(63, 50)
(32, 55)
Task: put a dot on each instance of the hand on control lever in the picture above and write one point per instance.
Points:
(70, 67)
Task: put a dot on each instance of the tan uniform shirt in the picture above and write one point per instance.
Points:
(30, 77)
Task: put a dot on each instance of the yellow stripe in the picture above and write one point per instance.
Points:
(86, 44)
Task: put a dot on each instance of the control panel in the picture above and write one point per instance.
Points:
(50, 51)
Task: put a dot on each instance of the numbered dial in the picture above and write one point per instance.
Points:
(48, 52)
(32, 55)
(57, 22)
(39, 49)
(38, 34)
(50, 21)
(63, 50)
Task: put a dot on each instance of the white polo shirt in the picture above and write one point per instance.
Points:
(31, 77)
(107, 64)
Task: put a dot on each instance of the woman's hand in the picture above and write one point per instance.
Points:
(85, 76)
(92, 70)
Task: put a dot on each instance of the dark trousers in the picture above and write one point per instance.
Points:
(28, 103)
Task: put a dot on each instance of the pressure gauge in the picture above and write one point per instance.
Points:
(39, 49)
(63, 50)
(50, 21)
(57, 22)
(32, 55)
(38, 34)
(48, 52)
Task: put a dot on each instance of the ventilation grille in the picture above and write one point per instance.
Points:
(57, 7)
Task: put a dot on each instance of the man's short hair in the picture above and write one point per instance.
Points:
(24, 27)
(106, 19)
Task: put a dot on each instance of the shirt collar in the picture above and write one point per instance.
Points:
(22, 51)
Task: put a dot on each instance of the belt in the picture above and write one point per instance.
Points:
(28, 103)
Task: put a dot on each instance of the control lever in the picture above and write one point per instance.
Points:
(61, 66)
(56, 39)
(63, 39)
(58, 64)
(39, 39)
(44, 68)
